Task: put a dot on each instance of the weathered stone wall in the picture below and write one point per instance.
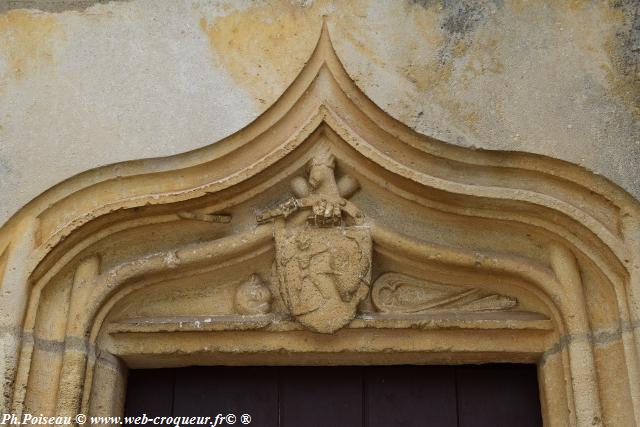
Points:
(89, 83)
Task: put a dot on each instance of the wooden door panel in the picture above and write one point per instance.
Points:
(208, 391)
(498, 396)
(372, 396)
(321, 396)
(410, 396)
(150, 391)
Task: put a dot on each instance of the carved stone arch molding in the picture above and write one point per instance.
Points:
(325, 232)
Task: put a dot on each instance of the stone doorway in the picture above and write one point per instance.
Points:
(370, 396)
(325, 233)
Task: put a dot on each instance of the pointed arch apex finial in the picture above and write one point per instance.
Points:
(324, 51)
(324, 32)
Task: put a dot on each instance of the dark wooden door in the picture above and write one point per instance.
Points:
(351, 396)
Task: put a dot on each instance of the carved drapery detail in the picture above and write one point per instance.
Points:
(399, 293)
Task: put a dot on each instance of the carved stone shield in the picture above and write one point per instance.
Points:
(324, 274)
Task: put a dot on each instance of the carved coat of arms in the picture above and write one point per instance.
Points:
(323, 252)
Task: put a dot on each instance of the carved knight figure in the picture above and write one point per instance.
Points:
(323, 261)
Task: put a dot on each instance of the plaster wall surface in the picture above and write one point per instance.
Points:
(90, 83)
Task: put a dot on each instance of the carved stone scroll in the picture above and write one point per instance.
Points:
(398, 293)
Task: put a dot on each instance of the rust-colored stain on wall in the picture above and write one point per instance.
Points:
(623, 48)
(26, 40)
(263, 47)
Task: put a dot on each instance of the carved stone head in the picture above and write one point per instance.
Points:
(253, 297)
